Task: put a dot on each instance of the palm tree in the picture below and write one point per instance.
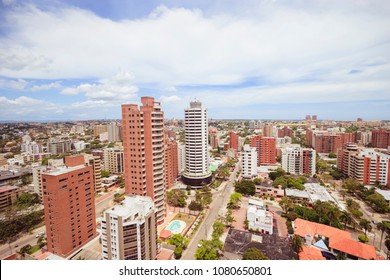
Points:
(297, 243)
(366, 225)
(382, 227)
(346, 218)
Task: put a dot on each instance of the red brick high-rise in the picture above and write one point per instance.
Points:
(285, 131)
(233, 142)
(380, 138)
(171, 168)
(266, 149)
(69, 199)
(143, 145)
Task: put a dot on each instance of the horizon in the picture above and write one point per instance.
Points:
(258, 59)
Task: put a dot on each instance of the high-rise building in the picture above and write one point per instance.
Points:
(308, 118)
(233, 140)
(37, 180)
(98, 129)
(368, 166)
(143, 144)
(59, 146)
(197, 172)
(248, 162)
(299, 161)
(129, 230)
(314, 118)
(113, 160)
(214, 137)
(268, 131)
(181, 154)
(69, 200)
(170, 162)
(114, 131)
(285, 131)
(266, 149)
(380, 138)
(96, 164)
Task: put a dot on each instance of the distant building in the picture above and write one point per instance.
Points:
(233, 142)
(368, 166)
(114, 131)
(259, 219)
(69, 200)
(171, 169)
(98, 129)
(181, 152)
(314, 118)
(308, 118)
(266, 149)
(8, 196)
(248, 162)
(59, 146)
(299, 161)
(214, 138)
(113, 160)
(381, 138)
(285, 131)
(129, 230)
(96, 163)
(268, 131)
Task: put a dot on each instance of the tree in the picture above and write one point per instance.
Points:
(207, 251)
(218, 230)
(177, 198)
(25, 249)
(178, 252)
(26, 200)
(229, 219)
(254, 254)
(366, 225)
(257, 181)
(105, 174)
(378, 202)
(387, 244)
(245, 187)
(235, 198)
(296, 243)
(351, 185)
(382, 226)
(195, 205)
(332, 155)
(178, 240)
(285, 203)
(341, 256)
(41, 241)
(346, 218)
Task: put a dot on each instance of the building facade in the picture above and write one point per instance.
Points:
(381, 138)
(129, 230)
(266, 149)
(113, 160)
(196, 172)
(69, 200)
(248, 162)
(171, 169)
(143, 144)
(299, 161)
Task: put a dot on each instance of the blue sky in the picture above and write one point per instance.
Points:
(245, 59)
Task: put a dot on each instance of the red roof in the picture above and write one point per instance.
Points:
(338, 239)
(165, 234)
(310, 253)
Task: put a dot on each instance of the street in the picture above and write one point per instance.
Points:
(217, 207)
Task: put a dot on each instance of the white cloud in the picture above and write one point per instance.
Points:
(46, 86)
(26, 108)
(169, 99)
(18, 84)
(8, 2)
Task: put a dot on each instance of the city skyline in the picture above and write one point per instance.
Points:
(80, 60)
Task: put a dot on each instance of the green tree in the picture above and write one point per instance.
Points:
(351, 185)
(346, 218)
(245, 187)
(341, 256)
(332, 155)
(254, 254)
(178, 240)
(41, 241)
(25, 249)
(297, 243)
(382, 226)
(285, 203)
(26, 200)
(105, 173)
(366, 225)
(229, 219)
(207, 251)
(235, 199)
(195, 205)
(177, 198)
(178, 252)
(257, 181)
(378, 203)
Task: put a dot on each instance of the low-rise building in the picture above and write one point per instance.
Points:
(8, 196)
(259, 219)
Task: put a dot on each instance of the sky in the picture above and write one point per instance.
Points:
(247, 59)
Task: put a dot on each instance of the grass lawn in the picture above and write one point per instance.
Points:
(33, 249)
(188, 219)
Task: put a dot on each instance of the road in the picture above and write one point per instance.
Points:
(29, 238)
(217, 207)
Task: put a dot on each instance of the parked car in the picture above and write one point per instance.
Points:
(39, 234)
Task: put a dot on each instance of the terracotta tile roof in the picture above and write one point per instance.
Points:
(338, 239)
(165, 234)
(355, 248)
(303, 227)
(310, 253)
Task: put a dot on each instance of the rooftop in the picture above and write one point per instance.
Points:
(62, 170)
(384, 193)
(133, 206)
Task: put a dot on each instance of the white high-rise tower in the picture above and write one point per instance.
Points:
(196, 172)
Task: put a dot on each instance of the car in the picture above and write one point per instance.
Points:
(39, 234)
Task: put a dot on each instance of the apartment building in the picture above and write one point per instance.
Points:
(143, 144)
(129, 230)
(69, 200)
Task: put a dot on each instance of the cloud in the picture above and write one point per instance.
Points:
(44, 87)
(18, 84)
(27, 108)
(8, 2)
(169, 99)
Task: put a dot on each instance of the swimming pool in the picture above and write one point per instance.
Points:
(176, 226)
